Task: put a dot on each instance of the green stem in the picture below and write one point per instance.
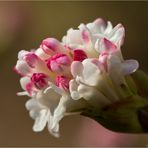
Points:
(141, 79)
(129, 115)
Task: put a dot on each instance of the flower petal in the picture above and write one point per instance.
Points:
(22, 68)
(91, 72)
(93, 96)
(33, 107)
(40, 53)
(104, 45)
(41, 120)
(73, 86)
(31, 104)
(98, 26)
(54, 131)
(117, 35)
(86, 34)
(73, 38)
(49, 100)
(51, 46)
(59, 114)
(21, 54)
(24, 81)
(76, 68)
(129, 66)
(109, 28)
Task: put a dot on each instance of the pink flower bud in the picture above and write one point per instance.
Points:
(58, 62)
(31, 59)
(79, 55)
(62, 82)
(51, 46)
(39, 80)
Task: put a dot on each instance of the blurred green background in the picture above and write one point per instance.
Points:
(23, 25)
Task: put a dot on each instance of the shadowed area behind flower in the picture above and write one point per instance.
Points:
(36, 33)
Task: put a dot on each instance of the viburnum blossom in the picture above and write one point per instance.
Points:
(45, 78)
(84, 71)
(88, 37)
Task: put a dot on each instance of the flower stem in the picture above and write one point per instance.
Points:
(129, 115)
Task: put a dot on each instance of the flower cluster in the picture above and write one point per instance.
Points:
(85, 70)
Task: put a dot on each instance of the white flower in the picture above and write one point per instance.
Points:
(85, 71)
(88, 36)
(100, 81)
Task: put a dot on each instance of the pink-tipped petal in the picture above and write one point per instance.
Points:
(24, 81)
(21, 54)
(76, 68)
(31, 59)
(36, 63)
(86, 35)
(30, 88)
(103, 59)
(79, 55)
(129, 66)
(27, 85)
(107, 46)
(100, 22)
(99, 64)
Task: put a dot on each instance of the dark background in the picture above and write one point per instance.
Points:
(23, 25)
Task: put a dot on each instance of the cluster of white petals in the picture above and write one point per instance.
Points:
(85, 70)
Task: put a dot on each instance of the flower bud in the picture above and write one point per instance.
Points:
(79, 55)
(58, 62)
(51, 46)
(62, 82)
(40, 80)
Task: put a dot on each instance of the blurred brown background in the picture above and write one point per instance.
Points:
(23, 25)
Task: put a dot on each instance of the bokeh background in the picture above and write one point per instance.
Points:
(23, 25)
